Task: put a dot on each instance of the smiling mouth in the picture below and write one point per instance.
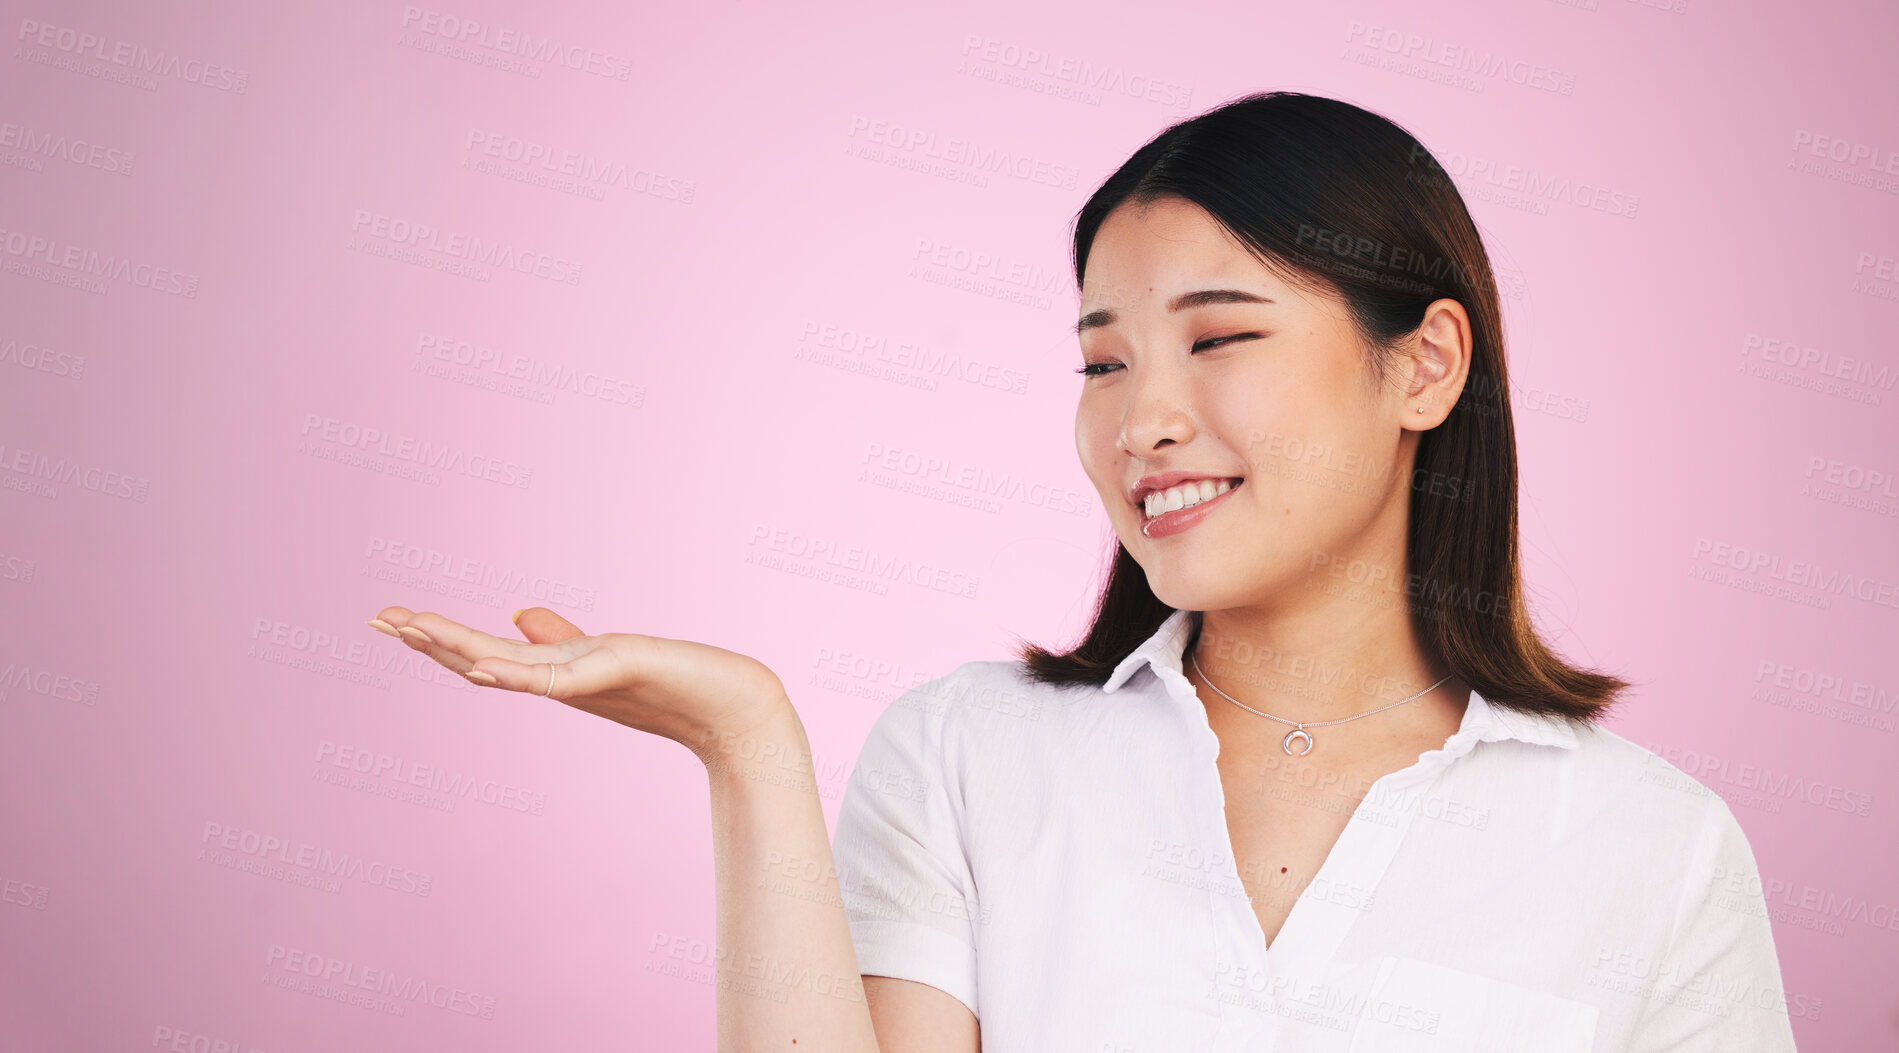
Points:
(1186, 495)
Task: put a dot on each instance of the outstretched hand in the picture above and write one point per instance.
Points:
(693, 693)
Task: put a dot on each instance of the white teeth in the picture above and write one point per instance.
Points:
(1186, 495)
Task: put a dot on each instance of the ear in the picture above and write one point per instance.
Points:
(1440, 363)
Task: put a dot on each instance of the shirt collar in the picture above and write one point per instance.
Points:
(1482, 721)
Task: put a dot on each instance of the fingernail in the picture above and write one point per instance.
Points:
(516, 617)
(480, 677)
(384, 627)
(419, 634)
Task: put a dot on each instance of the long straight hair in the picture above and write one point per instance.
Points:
(1337, 198)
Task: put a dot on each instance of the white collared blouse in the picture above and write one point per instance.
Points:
(1057, 858)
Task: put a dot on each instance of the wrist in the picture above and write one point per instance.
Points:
(773, 737)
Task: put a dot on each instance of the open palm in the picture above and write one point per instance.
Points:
(693, 693)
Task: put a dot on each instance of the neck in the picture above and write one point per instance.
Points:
(1307, 669)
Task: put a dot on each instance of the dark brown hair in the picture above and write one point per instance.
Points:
(1337, 198)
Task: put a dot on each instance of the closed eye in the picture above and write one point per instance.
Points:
(1204, 344)
(1095, 369)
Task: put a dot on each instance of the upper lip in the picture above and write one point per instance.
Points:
(1172, 477)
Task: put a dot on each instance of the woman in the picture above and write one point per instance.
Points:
(1311, 781)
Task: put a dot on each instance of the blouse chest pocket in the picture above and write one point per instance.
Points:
(1418, 1006)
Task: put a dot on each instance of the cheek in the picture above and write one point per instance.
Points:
(1287, 419)
(1104, 463)
(1094, 442)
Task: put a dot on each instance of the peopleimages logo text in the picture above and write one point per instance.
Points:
(498, 254)
(82, 44)
(472, 32)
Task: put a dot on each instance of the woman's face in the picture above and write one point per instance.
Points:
(1270, 393)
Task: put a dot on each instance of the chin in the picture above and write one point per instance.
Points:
(1204, 589)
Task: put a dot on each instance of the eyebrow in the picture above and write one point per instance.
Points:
(1098, 318)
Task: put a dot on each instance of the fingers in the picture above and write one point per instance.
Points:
(588, 673)
(457, 646)
(541, 625)
(390, 619)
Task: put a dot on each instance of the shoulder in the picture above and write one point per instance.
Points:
(949, 707)
(1607, 755)
(1001, 700)
(992, 704)
(1656, 807)
(944, 738)
(1611, 762)
(1657, 781)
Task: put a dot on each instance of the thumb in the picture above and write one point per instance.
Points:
(542, 626)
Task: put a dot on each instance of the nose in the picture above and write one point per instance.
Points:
(1158, 412)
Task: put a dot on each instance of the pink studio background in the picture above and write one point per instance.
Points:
(786, 309)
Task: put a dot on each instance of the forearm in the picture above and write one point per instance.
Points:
(786, 966)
